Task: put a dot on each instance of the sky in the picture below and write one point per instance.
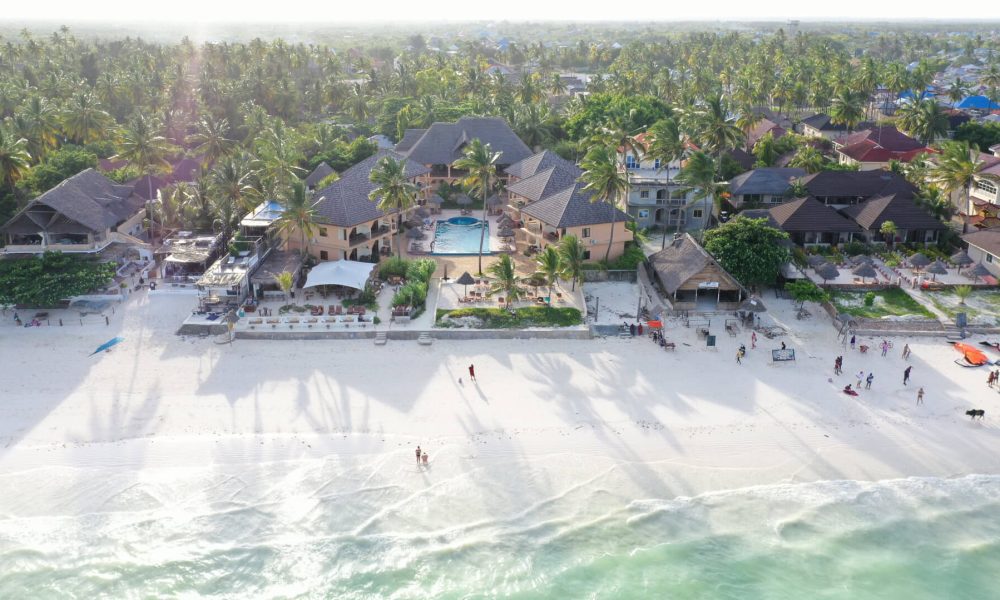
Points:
(332, 11)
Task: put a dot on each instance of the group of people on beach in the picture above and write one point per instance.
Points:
(421, 456)
(849, 389)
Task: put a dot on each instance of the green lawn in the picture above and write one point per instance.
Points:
(529, 316)
(890, 302)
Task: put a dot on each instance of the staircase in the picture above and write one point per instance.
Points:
(381, 338)
(425, 339)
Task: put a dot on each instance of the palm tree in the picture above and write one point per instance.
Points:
(144, 147)
(505, 280)
(847, 108)
(285, 281)
(232, 178)
(571, 259)
(479, 162)
(699, 173)
(278, 150)
(41, 126)
(393, 191)
(549, 267)
(963, 292)
(991, 79)
(299, 215)
(957, 90)
(212, 139)
(666, 143)
(714, 129)
(956, 169)
(924, 120)
(808, 158)
(14, 158)
(84, 121)
(606, 182)
(888, 230)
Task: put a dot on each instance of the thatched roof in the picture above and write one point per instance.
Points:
(682, 260)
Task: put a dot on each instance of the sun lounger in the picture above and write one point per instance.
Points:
(339, 310)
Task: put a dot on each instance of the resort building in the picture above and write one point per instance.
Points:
(655, 198)
(441, 144)
(86, 213)
(762, 187)
(349, 225)
(984, 248)
(321, 172)
(809, 222)
(820, 126)
(873, 148)
(913, 223)
(844, 188)
(691, 279)
(550, 203)
(185, 255)
(761, 129)
(984, 193)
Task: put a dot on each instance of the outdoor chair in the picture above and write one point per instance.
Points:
(339, 310)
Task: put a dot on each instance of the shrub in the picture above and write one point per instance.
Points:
(420, 270)
(528, 316)
(413, 293)
(393, 266)
(799, 257)
(629, 260)
(870, 299)
(853, 248)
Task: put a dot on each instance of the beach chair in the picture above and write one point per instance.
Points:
(330, 309)
(339, 310)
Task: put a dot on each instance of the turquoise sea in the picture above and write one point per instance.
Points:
(904, 539)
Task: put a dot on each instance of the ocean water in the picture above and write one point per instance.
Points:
(323, 530)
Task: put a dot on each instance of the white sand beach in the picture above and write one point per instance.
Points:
(163, 435)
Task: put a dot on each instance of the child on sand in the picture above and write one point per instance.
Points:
(472, 372)
(920, 396)
(423, 458)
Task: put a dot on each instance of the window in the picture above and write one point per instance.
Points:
(989, 258)
(656, 164)
(696, 213)
(644, 194)
(586, 230)
(661, 194)
(324, 255)
(752, 198)
(322, 232)
(631, 162)
(586, 255)
(986, 186)
(644, 213)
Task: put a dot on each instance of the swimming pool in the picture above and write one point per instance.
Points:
(460, 235)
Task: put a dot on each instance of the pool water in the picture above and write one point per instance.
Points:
(460, 235)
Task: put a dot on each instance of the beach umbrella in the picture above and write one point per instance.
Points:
(415, 234)
(752, 304)
(978, 271)
(861, 259)
(962, 259)
(494, 201)
(108, 345)
(864, 272)
(827, 272)
(816, 260)
(937, 268)
(466, 280)
(463, 200)
(506, 221)
(422, 212)
(435, 199)
(505, 232)
(918, 260)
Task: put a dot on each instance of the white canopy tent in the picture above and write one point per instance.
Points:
(347, 273)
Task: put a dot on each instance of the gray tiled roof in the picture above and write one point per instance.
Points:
(809, 214)
(345, 202)
(987, 239)
(410, 137)
(768, 180)
(898, 208)
(683, 259)
(536, 163)
(545, 183)
(87, 199)
(821, 122)
(572, 207)
(857, 184)
(321, 172)
(442, 143)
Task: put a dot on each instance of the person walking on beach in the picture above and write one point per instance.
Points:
(991, 378)
(837, 363)
(753, 340)
(739, 355)
(853, 341)
(920, 396)
(631, 329)
(861, 378)
(906, 375)
(472, 373)
(868, 382)
(906, 352)
(885, 347)
(423, 458)
(418, 455)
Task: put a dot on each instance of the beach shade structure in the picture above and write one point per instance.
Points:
(962, 258)
(435, 199)
(864, 272)
(534, 281)
(918, 260)
(415, 234)
(505, 232)
(978, 271)
(862, 259)
(506, 221)
(494, 201)
(753, 305)
(463, 200)
(348, 273)
(827, 272)
(108, 345)
(414, 223)
(465, 280)
(422, 212)
(937, 268)
(816, 260)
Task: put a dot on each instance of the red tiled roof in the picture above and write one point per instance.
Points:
(869, 151)
(887, 137)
